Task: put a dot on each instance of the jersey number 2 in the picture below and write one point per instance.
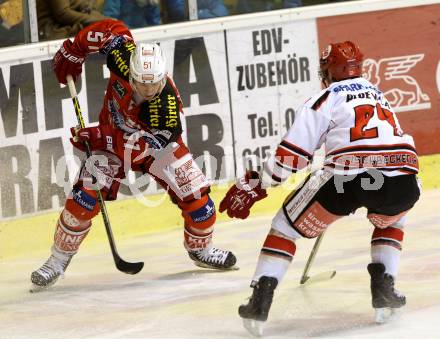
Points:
(363, 114)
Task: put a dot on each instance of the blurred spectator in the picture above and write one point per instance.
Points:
(211, 9)
(205, 9)
(11, 23)
(64, 18)
(251, 6)
(99, 5)
(134, 13)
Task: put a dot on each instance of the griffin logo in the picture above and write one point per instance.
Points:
(401, 89)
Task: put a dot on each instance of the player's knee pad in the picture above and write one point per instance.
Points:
(82, 203)
(277, 245)
(390, 236)
(303, 212)
(199, 213)
(310, 223)
(314, 220)
(384, 221)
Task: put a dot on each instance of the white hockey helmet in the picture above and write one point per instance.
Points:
(147, 70)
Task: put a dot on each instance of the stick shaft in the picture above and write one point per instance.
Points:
(126, 267)
(79, 117)
(311, 258)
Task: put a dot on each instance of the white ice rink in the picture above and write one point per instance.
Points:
(171, 298)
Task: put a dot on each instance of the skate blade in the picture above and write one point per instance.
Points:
(386, 315)
(37, 289)
(254, 327)
(232, 268)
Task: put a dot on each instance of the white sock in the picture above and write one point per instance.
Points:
(271, 266)
(387, 255)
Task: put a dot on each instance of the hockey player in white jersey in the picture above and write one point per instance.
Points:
(369, 163)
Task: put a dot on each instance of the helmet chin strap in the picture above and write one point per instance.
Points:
(327, 80)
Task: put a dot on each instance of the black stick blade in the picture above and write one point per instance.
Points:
(129, 267)
(304, 278)
(318, 277)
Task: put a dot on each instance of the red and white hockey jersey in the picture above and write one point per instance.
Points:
(161, 116)
(358, 128)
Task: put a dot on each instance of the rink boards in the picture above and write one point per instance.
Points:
(241, 80)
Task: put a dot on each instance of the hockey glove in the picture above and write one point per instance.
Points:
(68, 60)
(111, 42)
(99, 137)
(242, 196)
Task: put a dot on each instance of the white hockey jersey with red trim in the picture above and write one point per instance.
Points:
(359, 129)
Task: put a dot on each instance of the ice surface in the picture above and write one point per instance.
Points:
(171, 298)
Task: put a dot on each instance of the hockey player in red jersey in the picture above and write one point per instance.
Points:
(369, 162)
(139, 128)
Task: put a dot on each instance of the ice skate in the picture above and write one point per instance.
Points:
(211, 257)
(256, 311)
(52, 269)
(385, 298)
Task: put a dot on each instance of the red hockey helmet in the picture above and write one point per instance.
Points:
(339, 61)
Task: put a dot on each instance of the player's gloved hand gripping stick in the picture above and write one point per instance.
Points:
(121, 265)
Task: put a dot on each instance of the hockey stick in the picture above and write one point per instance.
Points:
(121, 265)
(321, 276)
